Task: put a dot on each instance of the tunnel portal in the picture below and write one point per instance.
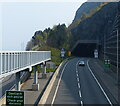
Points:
(84, 50)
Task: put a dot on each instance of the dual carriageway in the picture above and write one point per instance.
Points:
(74, 84)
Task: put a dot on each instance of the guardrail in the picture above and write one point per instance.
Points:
(12, 62)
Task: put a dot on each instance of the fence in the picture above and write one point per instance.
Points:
(12, 62)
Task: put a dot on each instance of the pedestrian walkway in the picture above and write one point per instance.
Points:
(32, 97)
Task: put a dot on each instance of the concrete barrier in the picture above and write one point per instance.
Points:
(49, 87)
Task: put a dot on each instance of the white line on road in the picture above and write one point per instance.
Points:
(81, 103)
(99, 84)
(76, 71)
(78, 85)
(78, 80)
(58, 83)
(80, 93)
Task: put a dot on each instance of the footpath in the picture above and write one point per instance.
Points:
(33, 97)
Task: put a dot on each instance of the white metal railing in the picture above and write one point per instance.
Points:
(12, 62)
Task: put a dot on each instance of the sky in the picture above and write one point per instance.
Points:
(0, 27)
(20, 20)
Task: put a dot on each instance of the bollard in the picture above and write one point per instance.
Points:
(44, 75)
(35, 86)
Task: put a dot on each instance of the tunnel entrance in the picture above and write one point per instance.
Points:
(84, 50)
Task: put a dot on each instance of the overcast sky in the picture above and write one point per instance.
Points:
(19, 20)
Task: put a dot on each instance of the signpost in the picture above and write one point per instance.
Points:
(15, 98)
(107, 63)
(69, 53)
(62, 53)
(95, 53)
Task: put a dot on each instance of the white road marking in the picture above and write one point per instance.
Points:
(76, 71)
(99, 84)
(78, 85)
(80, 93)
(81, 103)
(78, 80)
(58, 83)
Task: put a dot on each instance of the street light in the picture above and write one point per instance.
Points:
(117, 75)
(117, 57)
(104, 46)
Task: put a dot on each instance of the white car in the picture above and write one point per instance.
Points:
(81, 63)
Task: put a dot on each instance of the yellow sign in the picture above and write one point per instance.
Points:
(69, 53)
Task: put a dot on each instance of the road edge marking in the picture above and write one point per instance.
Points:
(99, 84)
(49, 86)
(58, 83)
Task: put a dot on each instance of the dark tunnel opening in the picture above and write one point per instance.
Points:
(84, 50)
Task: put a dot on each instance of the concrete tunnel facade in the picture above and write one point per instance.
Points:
(85, 48)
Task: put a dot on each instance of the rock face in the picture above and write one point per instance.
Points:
(102, 26)
(86, 8)
(96, 26)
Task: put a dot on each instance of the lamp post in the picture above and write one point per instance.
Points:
(104, 47)
(117, 74)
(117, 58)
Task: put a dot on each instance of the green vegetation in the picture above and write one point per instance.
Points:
(58, 37)
(50, 70)
(40, 71)
(85, 16)
(51, 39)
(55, 54)
(47, 70)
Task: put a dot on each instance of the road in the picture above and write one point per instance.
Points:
(6, 84)
(78, 85)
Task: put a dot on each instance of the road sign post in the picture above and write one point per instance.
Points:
(62, 53)
(107, 63)
(95, 53)
(15, 98)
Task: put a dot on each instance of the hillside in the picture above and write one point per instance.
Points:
(86, 8)
(96, 20)
(97, 25)
(85, 11)
(51, 39)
